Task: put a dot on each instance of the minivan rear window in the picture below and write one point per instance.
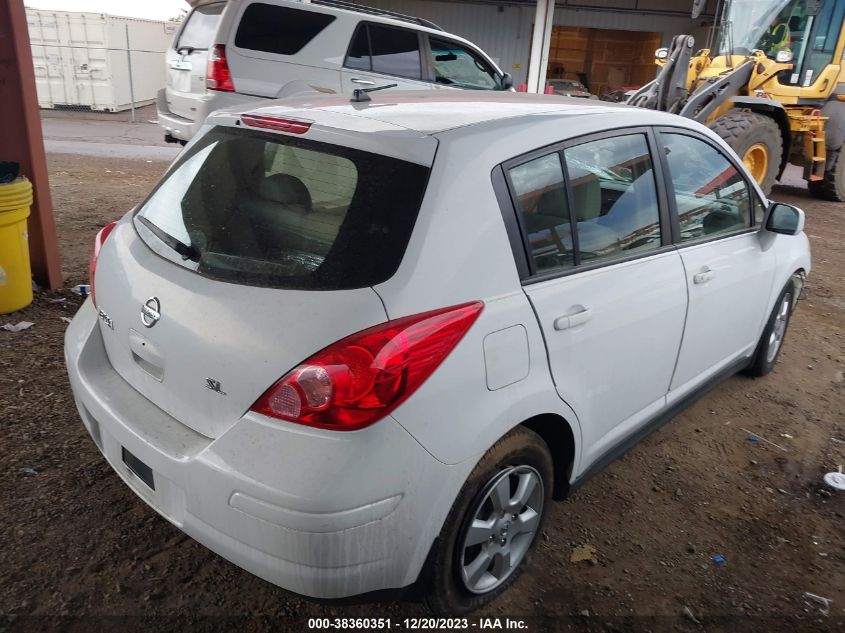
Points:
(282, 30)
(199, 30)
(283, 212)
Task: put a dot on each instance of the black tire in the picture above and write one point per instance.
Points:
(742, 129)
(447, 593)
(764, 361)
(833, 186)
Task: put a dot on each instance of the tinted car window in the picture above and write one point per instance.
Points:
(710, 194)
(281, 30)
(283, 212)
(359, 50)
(395, 51)
(200, 28)
(457, 66)
(614, 197)
(541, 202)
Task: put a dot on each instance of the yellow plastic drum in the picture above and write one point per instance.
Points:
(15, 273)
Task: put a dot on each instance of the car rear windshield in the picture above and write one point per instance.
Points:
(200, 28)
(284, 212)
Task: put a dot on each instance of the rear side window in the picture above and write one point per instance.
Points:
(541, 202)
(710, 194)
(281, 30)
(387, 50)
(284, 212)
(200, 28)
(609, 194)
(457, 66)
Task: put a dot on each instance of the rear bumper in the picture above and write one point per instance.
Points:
(183, 128)
(323, 514)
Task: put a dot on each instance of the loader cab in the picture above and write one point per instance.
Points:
(806, 33)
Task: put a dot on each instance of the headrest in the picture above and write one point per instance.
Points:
(553, 202)
(285, 189)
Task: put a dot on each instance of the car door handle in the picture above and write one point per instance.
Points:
(703, 276)
(363, 82)
(573, 320)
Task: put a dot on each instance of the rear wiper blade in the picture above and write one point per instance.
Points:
(186, 251)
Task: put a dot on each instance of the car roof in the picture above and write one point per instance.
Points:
(435, 112)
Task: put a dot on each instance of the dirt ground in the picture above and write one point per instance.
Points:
(78, 543)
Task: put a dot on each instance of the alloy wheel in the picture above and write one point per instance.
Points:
(778, 328)
(503, 525)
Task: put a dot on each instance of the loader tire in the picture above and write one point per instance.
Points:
(833, 186)
(757, 140)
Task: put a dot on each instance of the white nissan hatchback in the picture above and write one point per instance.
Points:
(350, 346)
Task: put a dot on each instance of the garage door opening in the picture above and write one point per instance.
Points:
(603, 60)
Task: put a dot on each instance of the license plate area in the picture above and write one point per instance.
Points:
(143, 472)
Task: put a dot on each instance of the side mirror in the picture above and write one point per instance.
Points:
(507, 81)
(785, 219)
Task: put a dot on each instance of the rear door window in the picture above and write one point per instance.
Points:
(281, 30)
(614, 197)
(587, 203)
(284, 212)
(386, 50)
(457, 66)
(200, 27)
(358, 56)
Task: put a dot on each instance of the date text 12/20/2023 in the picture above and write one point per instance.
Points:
(412, 624)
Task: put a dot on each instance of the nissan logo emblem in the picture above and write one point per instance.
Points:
(151, 312)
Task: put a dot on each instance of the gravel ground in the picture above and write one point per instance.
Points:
(83, 552)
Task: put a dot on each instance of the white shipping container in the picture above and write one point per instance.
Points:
(80, 59)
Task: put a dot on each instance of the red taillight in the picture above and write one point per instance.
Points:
(99, 240)
(217, 75)
(291, 126)
(363, 377)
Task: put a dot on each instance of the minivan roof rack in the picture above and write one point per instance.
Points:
(351, 6)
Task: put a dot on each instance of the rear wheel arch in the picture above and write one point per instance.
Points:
(557, 433)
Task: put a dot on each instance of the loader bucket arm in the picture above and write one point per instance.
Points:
(668, 92)
(714, 92)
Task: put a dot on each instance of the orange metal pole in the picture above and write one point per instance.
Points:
(21, 139)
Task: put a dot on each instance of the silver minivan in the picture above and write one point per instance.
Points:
(229, 53)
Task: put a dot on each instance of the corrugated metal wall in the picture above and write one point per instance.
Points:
(503, 30)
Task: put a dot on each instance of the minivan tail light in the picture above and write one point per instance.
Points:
(217, 75)
(99, 240)
(279, 124)
(360, 379)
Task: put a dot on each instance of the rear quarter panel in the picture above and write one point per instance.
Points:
(460, 252)
(315, 68)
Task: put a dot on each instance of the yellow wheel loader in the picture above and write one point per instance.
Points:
(772, 86)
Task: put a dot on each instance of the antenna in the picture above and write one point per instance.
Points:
(359, 95)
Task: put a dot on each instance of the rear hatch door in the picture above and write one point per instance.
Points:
(215, 347)
(255, 251)
(187, 59)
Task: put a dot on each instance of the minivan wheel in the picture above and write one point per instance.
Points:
(488, 534)
(771, 342)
